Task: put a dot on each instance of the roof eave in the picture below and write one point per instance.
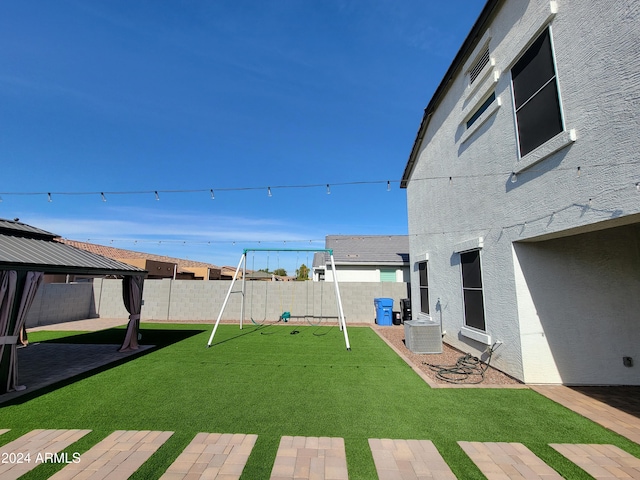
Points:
(467, 46)
(71, 270)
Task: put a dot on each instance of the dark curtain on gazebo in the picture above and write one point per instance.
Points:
(12, 322)
(132, 297)
(8, 280)
(32, 282)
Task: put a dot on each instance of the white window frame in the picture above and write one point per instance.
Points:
(562, 139)
(421, 287)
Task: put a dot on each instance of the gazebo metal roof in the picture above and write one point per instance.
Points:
(23, 247)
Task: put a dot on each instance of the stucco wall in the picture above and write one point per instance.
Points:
(580, 307)
(461, 191)
(167, 300)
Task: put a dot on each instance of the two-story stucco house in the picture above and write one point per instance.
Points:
(523, 190)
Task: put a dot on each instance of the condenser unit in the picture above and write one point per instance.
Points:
(423, 336)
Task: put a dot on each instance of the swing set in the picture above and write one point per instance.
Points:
(285, 316)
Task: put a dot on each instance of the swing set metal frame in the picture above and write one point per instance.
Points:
(243, 264)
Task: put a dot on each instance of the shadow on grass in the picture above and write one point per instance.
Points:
(263, 329)
(159, 338)
(151, 341)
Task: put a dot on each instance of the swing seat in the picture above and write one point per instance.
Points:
(285, 316)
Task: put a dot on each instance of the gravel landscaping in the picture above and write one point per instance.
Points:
(394, 335)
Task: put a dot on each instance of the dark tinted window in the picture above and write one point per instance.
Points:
(472, 290)
(471, 277)
(424, 287)
(481, 110)
(535, 92)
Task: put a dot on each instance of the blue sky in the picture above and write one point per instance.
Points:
(181, 97)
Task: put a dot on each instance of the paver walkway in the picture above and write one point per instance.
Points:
(313, 458)
(212, 456)
(602, 462)
(408, 460)
(224, 456)
(116, 457)
(508, 461)
(33, 449)
(609, 417)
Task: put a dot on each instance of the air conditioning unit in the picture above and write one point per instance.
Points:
(423, 336)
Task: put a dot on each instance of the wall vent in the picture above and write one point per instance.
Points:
(483, 59)
(423, 336)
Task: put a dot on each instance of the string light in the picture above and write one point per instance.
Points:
(328, 189)
(104, 199)
(269, 192)
(213, 197)
(513, 176)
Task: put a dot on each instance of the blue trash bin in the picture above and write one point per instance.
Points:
(384, 310)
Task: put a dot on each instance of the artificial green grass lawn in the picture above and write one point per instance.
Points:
(269, 382)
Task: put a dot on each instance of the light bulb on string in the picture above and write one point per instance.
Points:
(269, 192)
(49, 199)
(104, 199)
(328, 189)
(213, 197)
(157, 196)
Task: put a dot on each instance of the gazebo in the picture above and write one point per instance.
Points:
(26, 254)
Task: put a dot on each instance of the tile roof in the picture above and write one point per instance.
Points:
(122, 254)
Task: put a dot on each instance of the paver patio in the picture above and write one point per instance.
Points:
(212, 456)
(602, 462)
(32, 449)
(609, 417)
(408, 460)
(116, 457)
(508, 461)
(313, 458)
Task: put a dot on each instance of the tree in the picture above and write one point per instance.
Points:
(281, 272)
(302, 273)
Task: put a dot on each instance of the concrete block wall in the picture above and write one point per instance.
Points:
(61, 302)
(182, 300)
(107, 296)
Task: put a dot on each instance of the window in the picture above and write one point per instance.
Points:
(535, 93)
(481, 109)
(472, 290)
(424, 287)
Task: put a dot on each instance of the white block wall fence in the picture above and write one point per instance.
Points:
(184, 300)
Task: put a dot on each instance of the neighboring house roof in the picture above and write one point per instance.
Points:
(122, 254)
(469, 44)
(25, 247)
(366, 250)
